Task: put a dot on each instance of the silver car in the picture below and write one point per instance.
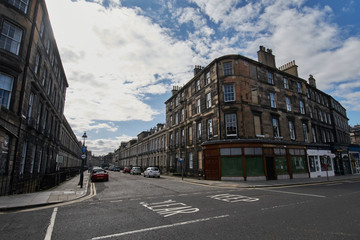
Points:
(152, 172)
(135, 170)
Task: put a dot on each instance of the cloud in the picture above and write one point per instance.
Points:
(103, 49)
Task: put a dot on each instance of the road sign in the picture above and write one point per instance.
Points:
(83, 156)
(83, 149)
(181, 160)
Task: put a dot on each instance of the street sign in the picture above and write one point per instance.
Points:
(83, 149)
(181, 160)
(83, 156)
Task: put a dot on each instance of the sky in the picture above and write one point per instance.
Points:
(122, 57)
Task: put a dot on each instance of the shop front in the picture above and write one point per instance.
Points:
(254, 161)
(321, 163)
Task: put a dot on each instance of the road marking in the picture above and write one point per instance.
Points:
(160, 227)
(233, 198)
(115, 201)
(169, 208)
(51, 226)
(301, 194)
(286, 205)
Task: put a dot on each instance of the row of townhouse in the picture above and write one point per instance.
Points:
(35, 138)
(243, 119)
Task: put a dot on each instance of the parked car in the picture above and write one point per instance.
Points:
(99, 174)
(152, 172)
(116, 169)
(135, 170)
(127, 170)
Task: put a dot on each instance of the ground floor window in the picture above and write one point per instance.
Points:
(231, 166)
(298, 164)
(281, 165)
(254, 166)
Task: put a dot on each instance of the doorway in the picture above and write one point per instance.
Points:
(270, 168)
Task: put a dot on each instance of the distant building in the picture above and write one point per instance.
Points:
(35, 138)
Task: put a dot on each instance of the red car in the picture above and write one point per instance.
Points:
(99, 174)
(127, 170)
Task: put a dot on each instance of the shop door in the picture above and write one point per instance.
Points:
(314, 165)
(270, 168)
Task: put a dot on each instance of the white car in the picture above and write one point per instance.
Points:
(152, 172)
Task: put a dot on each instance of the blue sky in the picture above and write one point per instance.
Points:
(122, 57)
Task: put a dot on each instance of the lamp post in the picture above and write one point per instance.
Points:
(83, 157)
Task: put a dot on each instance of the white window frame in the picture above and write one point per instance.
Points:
(230, 122)
(207, 78)
(20, 4)
(191, 160)
(292, 130)
(299, 90)
(209, 127)
(197, 85)
(198, 106)
(208, 100)
(288, 104)
(227, 69)
(11, 41)
(302, 107)
(272, 100)
(6, 85)
(276, 127)
(270, 78)
(229, 93)
(198, 131)
(286, 83)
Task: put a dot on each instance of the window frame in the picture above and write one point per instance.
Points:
(230, 122)
(6, 87)
(228, 68)
(22, 5)
(272, 100)
(292, 130)
(288, 104)
(208, 100)
(229, 93)
(14, 42)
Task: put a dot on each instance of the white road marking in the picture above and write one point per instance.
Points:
(233, 198)
(115, 201)
(169, 208)
(302, 194)
(51, 226)
(160, 227)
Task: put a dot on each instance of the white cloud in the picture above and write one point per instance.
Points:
(103, 50)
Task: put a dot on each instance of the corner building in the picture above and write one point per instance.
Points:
(242, 119)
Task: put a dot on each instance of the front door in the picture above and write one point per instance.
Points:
(270, 168)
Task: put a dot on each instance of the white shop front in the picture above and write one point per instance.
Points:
(320, 163)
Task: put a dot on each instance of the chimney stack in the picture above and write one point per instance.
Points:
(266, 57)
(312, 81)
(290, 68)
(175, 90)
(197, 69)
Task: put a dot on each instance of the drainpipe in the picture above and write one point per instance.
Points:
(219, 100)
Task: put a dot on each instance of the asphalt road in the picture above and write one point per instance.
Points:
(134, 207)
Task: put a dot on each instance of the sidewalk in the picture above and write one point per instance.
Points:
(66, 191)
(265, 183)
(70, 190)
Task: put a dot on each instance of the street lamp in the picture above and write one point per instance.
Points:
(83, 157)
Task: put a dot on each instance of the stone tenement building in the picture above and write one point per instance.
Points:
(243, 119)
(35, 138)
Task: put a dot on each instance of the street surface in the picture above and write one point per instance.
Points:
(134, 207)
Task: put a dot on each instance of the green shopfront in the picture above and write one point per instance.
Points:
(244, 160)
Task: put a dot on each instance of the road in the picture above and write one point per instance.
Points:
(134, 207)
